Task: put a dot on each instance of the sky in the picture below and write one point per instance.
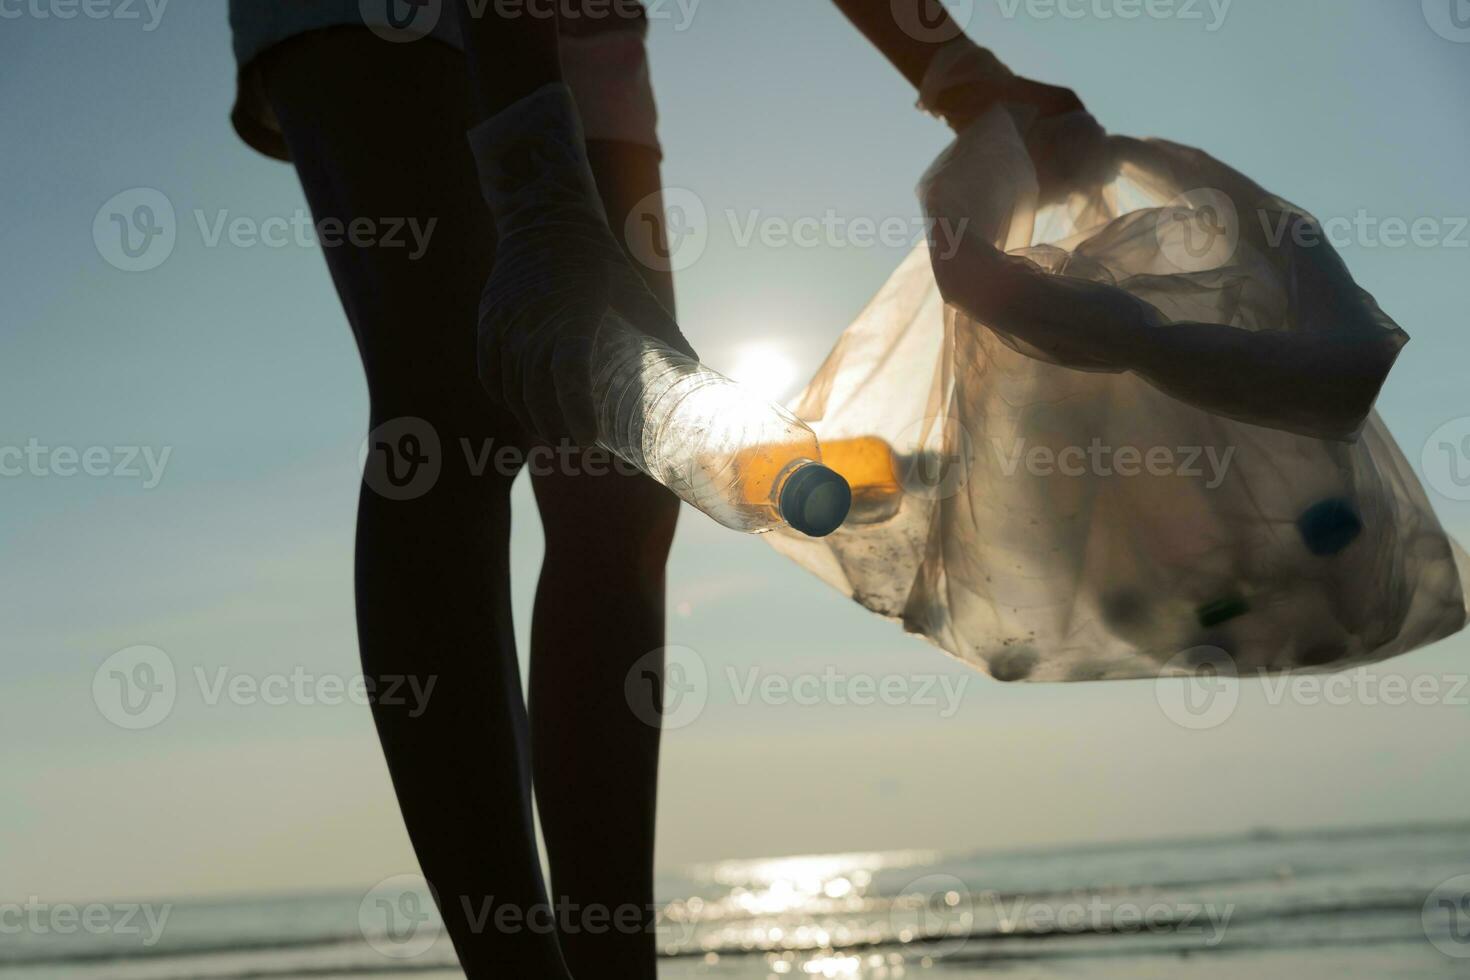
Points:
(230, 370)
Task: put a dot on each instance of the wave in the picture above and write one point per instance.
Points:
(976, 946)
(1189, 916)
(1186, 918)
(1273, 883)
(180, 950)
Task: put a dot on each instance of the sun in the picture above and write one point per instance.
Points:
(766, 368)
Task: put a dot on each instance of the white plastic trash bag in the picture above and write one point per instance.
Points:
(1140, 431)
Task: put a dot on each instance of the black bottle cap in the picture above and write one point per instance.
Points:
(815, 500)
(1330, 526)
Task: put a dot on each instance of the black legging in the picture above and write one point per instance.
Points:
(377, 131)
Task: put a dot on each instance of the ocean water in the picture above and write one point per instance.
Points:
(1381, 902)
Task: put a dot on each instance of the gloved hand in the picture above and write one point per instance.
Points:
(558, 269)
(964, 81)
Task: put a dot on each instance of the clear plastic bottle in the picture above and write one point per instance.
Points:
(747, 463)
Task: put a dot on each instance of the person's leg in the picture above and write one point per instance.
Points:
(599, 608)
(377, 132)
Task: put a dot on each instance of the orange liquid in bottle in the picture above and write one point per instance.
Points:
(871, 469)
(866, 462)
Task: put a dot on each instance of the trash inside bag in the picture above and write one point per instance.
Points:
(1099, 425)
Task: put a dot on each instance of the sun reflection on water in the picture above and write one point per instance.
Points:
(810, 916)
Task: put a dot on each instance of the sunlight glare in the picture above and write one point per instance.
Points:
(766, 368)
